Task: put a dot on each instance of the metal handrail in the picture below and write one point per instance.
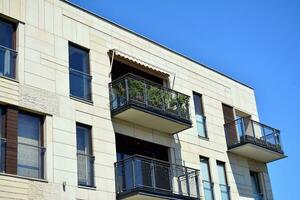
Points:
(141, 166)
(149, 159)
(9, 49)
(81, 73)
(249, 118)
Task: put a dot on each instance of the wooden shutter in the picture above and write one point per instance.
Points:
(11, 127)
(230, 129)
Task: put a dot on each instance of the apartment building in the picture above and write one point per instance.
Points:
(93, 111)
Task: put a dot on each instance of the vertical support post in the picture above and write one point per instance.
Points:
(145, 94)
(152, 167)
(187, 182)
(126, 90)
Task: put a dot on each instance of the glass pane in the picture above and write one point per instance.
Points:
(7, 62)
(79, 59)
(198, 104)
(200, 125)
(83, 137)
(85, 165)
(204, 169)
(29, 161)
(6, 34)
(29, 129)
(208, 190)
(2, 155)
(224, 192)
(80, 85)
(221, 172)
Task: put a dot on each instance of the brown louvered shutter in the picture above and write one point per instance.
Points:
(231, 128)
(11, 127)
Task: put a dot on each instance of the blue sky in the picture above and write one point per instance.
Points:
(254, 41)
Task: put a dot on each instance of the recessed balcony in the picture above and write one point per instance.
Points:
(139, 177)
(140, 101)
(254, 140)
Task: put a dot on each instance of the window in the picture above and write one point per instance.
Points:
(2, 140)
(200, 118)
(80, 79)
(223, 181)
(206, 179)
(30, 146)
(8, 54)
(256, 188)
(85, 158)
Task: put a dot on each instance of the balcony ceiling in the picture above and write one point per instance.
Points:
(257, 153)
(152, 120)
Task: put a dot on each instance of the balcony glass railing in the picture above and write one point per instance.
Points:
(208, 188)
(2, 154)
(138, 173)
(225, 192)
(31, 160)
(8, 62)
(134, 90)
(258, 196)
(85, 167)
(245, 130)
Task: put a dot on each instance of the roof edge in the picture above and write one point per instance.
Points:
(153, 42)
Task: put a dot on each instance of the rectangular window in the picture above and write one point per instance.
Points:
(200, 118)
(225, 190)
(85, 158)
(2, 140)
(206, 178)
(256, 188)
(8, 53)
(30, 146)
(80, 79)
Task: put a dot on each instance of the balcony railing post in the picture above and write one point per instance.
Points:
(187, 182)
(253, 130)
(145, 93)
(197, 184)
(126, 90)
(152, 167)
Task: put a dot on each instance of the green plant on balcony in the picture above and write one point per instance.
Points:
(155, 97)
(171, 102)
(136, 90)
(183, 105)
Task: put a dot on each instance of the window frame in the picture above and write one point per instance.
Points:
(78, 98)
(225, 177)
(40, 145)
(209, 174)
(90, 155)
(202, 115)
(15, 25)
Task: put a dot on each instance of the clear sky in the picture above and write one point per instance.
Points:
(254, 41)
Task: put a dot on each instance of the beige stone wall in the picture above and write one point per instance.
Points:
(42, 86)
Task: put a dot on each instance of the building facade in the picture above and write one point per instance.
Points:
(90, 110)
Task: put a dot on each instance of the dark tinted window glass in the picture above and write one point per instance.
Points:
(198, 104)
(7, 34)
(80, 80)
(79, 59)
(83, 136)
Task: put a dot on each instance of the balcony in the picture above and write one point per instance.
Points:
(254, 140)
(139, 177)
(148, 104)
